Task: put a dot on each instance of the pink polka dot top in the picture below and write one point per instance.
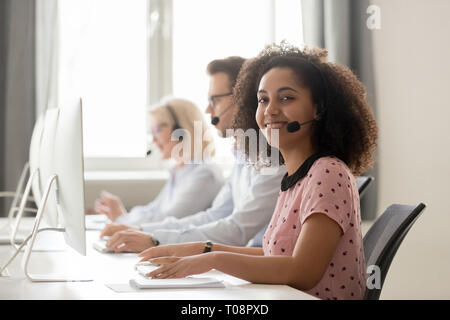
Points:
(329, 188)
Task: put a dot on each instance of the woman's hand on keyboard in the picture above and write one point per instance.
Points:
(180, 267)
(173, 250)
(129, 241)
(112, 228)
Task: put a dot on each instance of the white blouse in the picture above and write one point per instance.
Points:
(238, 216)
(190, 189)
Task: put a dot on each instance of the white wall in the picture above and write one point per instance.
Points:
(412, 51)
(133, 188)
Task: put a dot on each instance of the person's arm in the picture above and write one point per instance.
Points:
(192, 192)
(248, 216)
(254, 251)
(313, 252)
(109, 205)
(221, 207)
(141, 214)
(136, 241)
(193, 248)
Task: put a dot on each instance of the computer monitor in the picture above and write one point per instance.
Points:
(29, 170)
(69, 166)
(61, 162)
(41, 168)
(47, 164)
(33, 183)
(33, 161)
(29, 167)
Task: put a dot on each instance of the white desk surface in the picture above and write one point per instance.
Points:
(114, 269)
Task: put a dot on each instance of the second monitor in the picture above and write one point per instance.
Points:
(63, 158)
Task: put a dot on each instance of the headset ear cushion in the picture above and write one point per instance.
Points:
(175, 127)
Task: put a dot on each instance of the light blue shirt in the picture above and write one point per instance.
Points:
(183, 194)
(241, 211)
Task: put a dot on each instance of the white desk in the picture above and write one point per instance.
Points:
(116, 268)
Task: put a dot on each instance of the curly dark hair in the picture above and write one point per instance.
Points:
(346, 129)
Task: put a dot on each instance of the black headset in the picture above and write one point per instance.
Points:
(176, 124)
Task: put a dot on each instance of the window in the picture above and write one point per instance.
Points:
(105, 48)
(204, 30)
(103, 59)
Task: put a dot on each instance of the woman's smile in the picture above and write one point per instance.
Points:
(275, 124)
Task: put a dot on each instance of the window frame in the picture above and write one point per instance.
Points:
(159, 84)
(159, 78)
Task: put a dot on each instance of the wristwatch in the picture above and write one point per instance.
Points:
(208, 246)
(154, 240)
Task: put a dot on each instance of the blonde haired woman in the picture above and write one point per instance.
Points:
(179, 120)
(177, 127)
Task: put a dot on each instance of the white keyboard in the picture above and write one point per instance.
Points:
(189, 282)
(144, 268)
(100, 245)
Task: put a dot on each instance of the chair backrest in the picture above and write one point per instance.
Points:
(383, 239)
(363, 182)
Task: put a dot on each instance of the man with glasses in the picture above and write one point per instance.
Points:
(222, 78)
(243, 207)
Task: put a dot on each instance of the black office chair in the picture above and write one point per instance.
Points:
(383, 239)
(363, 182)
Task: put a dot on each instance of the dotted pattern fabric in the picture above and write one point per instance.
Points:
(328, 188)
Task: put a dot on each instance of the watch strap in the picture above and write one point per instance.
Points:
(208, 247)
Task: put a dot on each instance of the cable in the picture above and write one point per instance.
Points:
(24, 243)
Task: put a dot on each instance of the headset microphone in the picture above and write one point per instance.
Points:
(215, 120)
(294, 126)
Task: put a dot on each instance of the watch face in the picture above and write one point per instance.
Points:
(154, 240)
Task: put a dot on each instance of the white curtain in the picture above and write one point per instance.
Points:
(46, 54)
(17, 89)
(326, 24)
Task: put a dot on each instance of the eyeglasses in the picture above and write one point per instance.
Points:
(217, 96)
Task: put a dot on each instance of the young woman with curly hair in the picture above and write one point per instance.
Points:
(327, 135)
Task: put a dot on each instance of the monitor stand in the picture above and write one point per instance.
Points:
(21, 209)
(16, 195)
(53, 180)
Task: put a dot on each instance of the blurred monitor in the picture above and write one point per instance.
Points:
(47, 165)
(69, 167)
(33, 178)
(35, 145)
(62, 174)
